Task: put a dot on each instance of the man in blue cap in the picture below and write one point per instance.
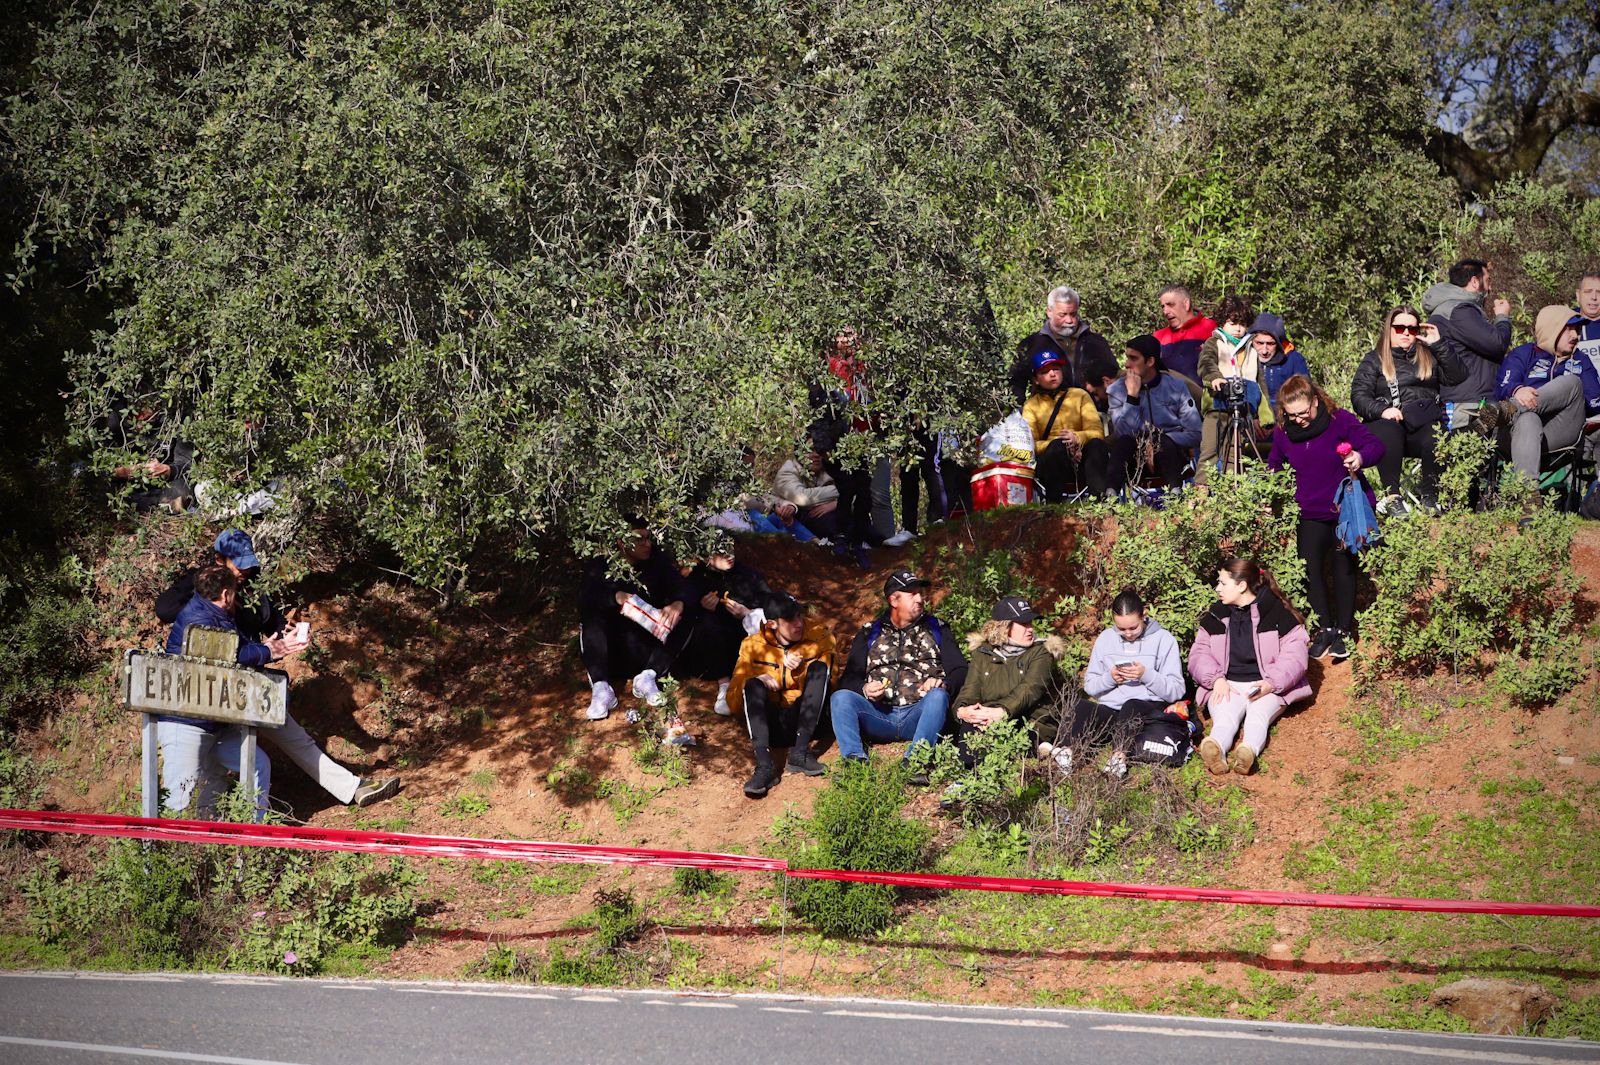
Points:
(258, 620)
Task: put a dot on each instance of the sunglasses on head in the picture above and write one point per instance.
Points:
(1414, 330)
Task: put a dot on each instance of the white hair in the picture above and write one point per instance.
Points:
(1062, 294)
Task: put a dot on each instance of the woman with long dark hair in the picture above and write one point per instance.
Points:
(1323, 445)
(1248, 662)
(1396, 394)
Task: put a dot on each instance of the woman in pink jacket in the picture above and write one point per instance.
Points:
(1248, 663)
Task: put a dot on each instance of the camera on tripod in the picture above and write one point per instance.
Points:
(1235, 395)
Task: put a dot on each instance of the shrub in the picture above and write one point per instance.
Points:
(701, 882)
(856, 824)
(991, 791)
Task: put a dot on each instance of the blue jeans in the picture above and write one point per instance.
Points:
(853, 716)
(776, 526)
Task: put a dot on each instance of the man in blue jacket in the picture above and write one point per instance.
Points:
(191, 748)
(1545, 391)
(1153, 418)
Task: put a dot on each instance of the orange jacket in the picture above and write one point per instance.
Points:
(761, 655)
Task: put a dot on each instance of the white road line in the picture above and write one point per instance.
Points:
(478, 994)
(710, 1005)
(594, 998)
(781, 1009)
(137, 1052)
(1010, 1022)
(1455, 1054)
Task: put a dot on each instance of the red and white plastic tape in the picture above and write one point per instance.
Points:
(334, 839)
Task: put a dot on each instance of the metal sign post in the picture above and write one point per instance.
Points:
(204, 682)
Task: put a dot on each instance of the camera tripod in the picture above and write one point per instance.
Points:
(1238, 432)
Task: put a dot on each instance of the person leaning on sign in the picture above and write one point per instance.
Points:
(257, 620)
(190, 747)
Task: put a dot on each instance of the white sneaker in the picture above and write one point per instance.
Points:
(1117, 767)
(601, 702)
(900, 539)
(645, 687)
(1061, 755)
(1392, 506)
(721, 707)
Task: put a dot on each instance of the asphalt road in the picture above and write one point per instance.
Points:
(96, 1019)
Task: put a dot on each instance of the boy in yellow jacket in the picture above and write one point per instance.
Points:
(781, 684)
(1069, 442)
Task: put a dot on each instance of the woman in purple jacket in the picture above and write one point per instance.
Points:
(1248, 663)
(1311, 438)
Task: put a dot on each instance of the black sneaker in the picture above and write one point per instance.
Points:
(1321, 642)
(760, 782)
(1337, 647)
(918, 780)
(371, 791)
(802, 761)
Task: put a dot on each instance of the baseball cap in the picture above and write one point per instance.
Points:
(236, 546)
(1014, 608)
(1046, 358)
(903, 580)
(784, 607)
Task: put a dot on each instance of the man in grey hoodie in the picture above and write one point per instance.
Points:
(1456, 307)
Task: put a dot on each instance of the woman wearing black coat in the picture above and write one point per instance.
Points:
(1396, 393)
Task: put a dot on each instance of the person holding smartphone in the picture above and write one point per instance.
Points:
(1135, 673)
(1248, 662)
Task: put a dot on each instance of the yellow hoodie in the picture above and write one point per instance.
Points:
(1078, 413)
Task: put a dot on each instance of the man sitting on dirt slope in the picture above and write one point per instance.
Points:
(781, 684)
(902, 669)
(259, 621)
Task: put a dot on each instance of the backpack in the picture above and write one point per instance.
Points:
(1166, 739)
(1358, 524)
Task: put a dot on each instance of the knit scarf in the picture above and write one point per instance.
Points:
(1299, 434)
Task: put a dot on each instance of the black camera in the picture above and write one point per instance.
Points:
(1234, 394)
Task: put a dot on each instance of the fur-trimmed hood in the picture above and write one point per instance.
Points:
(994, 634)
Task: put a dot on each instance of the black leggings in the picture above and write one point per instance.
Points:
(924, 470)
(1400, 442)
(772, 724)
(1318, 543)
(855, 501)
(1058, 470)
(615, 648)
(1127, 463)
(1093, 724)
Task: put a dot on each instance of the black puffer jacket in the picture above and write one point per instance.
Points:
(1371, 395)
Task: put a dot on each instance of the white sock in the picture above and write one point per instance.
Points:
(722, 689)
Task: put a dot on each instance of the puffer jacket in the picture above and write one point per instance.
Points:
(1371, 393)
(1019, 684)
(1282, 648)
(1167, 404)
(762, 655)
(1077, 413)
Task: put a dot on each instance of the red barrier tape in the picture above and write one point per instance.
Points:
(333, 839)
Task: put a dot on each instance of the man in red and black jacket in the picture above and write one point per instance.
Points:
(1185, 333)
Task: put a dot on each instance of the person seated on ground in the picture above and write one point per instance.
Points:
(804, 484)
(781, 685)
(896, 685)
(1277, 358)
(1153, 417)
(1011, 671)
(1226, 355)
(162, 480)
(1248, 663)
(765, 512)
(732, 597)
(1089, 362)
(1135, 673)
(1068, 439)
(633, 623)
(1184, 334)
(1323, 445)
(1455, 306)
(191, 748)
(1396, 394)
(258, 620)
(1544, 392)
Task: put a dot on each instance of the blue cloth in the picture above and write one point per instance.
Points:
(1358, 522)
(854, 717)
(201, 611)
(1166, 404)
(1531, 366)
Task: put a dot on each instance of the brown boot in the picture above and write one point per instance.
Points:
(1211, 754)
(1243, 760)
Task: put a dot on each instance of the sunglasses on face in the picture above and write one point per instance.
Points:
(1414, 330)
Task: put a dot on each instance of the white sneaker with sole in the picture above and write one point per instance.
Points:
(1061, 755)
(1117, 767)
(900, 539)
(645, 687)
(601, 702)
(721, 707)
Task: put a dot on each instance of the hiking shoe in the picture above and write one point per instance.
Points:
(1392, 506)
(645, 687)
(841, 548)
(372, 791)
(864, 557)
(1116, 767)
(805, 762)
(918, 780)
(1338, 648)
(1062, 756)
(601, 702)
(760, 782)
(1211, 754)
(1243, 760)
(1320, 642)
(1492, 416)
(951, 797)
(721, 707)
(900, 539)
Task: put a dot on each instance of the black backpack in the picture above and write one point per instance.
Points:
(1166, 739)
